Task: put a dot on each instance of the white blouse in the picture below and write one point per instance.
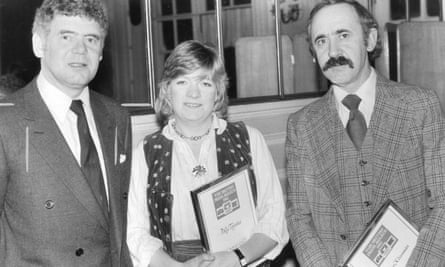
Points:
(270, 207)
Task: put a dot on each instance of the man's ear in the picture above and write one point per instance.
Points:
(38, 44)
(372, 39)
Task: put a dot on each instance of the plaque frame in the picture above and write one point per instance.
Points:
(388, 240)
(225, 210)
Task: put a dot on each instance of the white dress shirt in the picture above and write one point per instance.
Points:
(59, 104)
(366, 92)
(270, 206)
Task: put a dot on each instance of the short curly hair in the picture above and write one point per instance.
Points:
(186, 58)
(92, 9)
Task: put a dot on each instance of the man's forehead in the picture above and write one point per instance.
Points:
(75, 19)
(79, 24)
(335, 18)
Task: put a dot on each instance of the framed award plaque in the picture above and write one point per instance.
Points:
(225, 211)
(388, 240)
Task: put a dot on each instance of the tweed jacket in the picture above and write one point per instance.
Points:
(48, 213)
(408, 156)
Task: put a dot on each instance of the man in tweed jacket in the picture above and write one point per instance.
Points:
(336, 187)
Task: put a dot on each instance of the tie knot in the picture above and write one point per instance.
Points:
(76, 107)
(351, 102)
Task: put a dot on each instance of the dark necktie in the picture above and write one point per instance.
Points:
(89, 158)
(356, 126)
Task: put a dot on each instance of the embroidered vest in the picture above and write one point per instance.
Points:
(233, 151)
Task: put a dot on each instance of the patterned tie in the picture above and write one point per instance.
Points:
(88, 156)
(356, 126)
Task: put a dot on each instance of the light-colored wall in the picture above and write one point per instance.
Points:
(269, 118)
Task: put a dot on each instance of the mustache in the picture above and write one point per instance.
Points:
(337, 61)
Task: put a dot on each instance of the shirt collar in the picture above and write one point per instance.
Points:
(366, 92)
(58, 102)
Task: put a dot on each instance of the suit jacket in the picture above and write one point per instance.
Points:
(48, 213)
(408, 156)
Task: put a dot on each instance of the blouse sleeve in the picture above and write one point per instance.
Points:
(270, 207)
(141, 244)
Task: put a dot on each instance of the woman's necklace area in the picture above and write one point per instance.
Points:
(191, 138)
(199, 170)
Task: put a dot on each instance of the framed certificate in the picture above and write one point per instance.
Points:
(225, 211)
(388, 240)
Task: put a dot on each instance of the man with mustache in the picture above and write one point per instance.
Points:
(365, 141)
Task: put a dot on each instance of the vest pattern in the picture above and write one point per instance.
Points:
(355, 180)
(233, 151)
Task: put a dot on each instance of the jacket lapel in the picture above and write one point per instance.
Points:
(47, 140)
(324, 127)
(388, 121)
(109, 141)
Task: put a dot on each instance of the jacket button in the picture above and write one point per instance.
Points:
(79, 252)
(343, 237)
(367, 203)
(49, 204)
(364, 183)
(125, 195)
(428, 193)
(362, 162)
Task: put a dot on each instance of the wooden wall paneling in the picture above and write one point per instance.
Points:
(117, 50)
(256, 66)
(204, 26)
(422, 53)
(262, 19)
(138, 89)
(237, 23)
(305, 70)
(159, 49)
(209, 29)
